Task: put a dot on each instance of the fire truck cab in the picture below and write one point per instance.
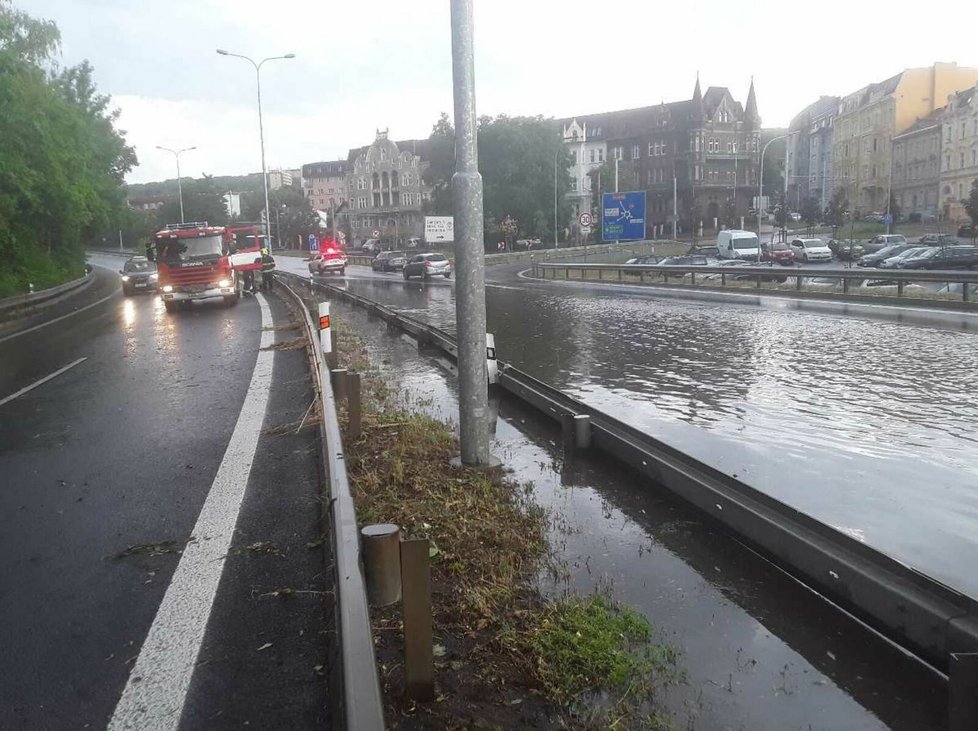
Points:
(193, 261)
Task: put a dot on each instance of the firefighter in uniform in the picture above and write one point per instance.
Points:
(267, 267)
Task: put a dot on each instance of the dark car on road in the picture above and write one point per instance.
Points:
(878, 257)
(846, 249)
(428, 265)
(942, 257)
(778, 252)
(968, 231)
(138, 275)
(644, 260)
(388, 261)
(881, 241)
(937, 240)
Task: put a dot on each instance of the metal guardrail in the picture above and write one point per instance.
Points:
(764, 275)
(913, 610)
(362, 705)
(11, 305)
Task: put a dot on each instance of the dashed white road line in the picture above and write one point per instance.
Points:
(39, 381)
(158, 684)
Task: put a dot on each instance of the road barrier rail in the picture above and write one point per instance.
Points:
(360, 702)
(13, 307)
(770, 280)
(917, 612)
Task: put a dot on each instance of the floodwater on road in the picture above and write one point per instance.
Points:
(869, 425)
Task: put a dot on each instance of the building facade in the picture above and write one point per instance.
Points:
(324, 184)
(959, 153)
(704, 148)
(809, 158)
(917, 167)
(870, 118)
(385, 192)
(282, 178)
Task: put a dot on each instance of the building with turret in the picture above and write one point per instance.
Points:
(705, 148)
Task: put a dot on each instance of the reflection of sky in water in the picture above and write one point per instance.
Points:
(869, 425)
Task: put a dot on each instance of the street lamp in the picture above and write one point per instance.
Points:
(556, 152)
(176, 154)
(261, 129)
(760, 194)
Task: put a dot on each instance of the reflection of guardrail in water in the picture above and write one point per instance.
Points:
(769, 280)
(362, 707)
(917, 612)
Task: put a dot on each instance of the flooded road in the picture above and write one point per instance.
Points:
(758, 650)
(868, 425)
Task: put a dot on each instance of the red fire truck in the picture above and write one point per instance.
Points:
(194, 264)
(246, 241)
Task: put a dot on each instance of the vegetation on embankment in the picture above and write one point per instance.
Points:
(506, 657)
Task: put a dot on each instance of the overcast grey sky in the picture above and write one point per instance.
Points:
(372, 64)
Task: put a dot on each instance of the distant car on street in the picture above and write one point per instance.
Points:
(685, 261)
(967, 231)
(644, 260)
(881, 241)
(388, 261)
(941, 257)
(937, 240)
(778, 252)
(428, 265)
(846, 249)
(878, 257)
(371, 246)
(332, 260)
(139, 275)
(809, 250)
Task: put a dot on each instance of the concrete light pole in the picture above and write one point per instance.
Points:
(470, 292)
(760, 190)
(556, 152)
(176, 154)
(261, 128)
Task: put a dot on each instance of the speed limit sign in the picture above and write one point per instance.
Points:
(585, 219)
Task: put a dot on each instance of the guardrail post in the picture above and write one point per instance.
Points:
(337, 377)
(758, 281)
(723, 279)
(845, 285)
(619, 274)
(354, 406)
(899, 288)
(419, 662)
(582, 431)
(382, 563)
(692, 278)
(798, 283)
(963, 691)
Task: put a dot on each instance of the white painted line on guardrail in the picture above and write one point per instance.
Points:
(57, 319)
(39, 381)
(158, 684)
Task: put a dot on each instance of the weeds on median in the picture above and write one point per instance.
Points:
(505, 655)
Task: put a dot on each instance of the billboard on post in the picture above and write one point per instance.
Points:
(439, 229)
(623, 216)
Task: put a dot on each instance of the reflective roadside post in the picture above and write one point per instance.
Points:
(470, 290)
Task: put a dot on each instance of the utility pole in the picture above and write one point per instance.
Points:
(176, 154)
(674, 202)
(470, 293)
(556, 152)
(760, 188)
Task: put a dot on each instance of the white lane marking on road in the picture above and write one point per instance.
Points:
(57, 319)
(39, 381)
(157, 687)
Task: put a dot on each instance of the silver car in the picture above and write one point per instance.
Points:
(428, 265)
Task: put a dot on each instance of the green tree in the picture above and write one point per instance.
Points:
(773, 162)
(894, 208)
(810, 212)
(971, 204)
(61, 159)
(835, 211)
(517, 160)
(441, 167)
(202, 201)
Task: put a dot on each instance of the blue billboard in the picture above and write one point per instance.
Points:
(623, 216)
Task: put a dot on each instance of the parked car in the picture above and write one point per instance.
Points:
(711, 252)
(371, 246)
(332, 260)
(735, 244)
(644, 260)
(138, 275)
(875, 259)
(428, 265)
(967, 231)
(893, 261)
(777, 252)
(809, 250)
(846, 249)
(882, 241)
(937, 240)
(388, 261)
(414, 243)
(685, 261)
(942, 257)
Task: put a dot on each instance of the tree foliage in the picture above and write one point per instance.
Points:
(810, 211)
(836, 210)
(438, 174)
(971, 203)
(62, 160)
(291, 212)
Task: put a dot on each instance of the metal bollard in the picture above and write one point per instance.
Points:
(382, 563)
(354, 406)
(419, 661)
(582, 431)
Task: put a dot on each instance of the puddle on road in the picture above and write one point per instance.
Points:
(759, 651)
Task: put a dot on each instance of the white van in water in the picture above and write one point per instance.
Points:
(735, 244)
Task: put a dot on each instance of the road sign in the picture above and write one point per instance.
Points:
(623, 216)
(439, 229)
(313, 242)
(585, 219)
(888, 219)
(375, 234)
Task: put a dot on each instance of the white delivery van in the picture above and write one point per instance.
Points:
(736, 244)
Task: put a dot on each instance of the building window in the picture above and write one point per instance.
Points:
(574, 157)
(635, 152)
(362, 201)
(592, 155)
(600, 154)
(574, 184)
(947, 161)
(962, 161)
(651, 149)
(619, 152)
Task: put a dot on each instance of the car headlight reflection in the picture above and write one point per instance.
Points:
(224, 283)
(167, 288)
(125, 278)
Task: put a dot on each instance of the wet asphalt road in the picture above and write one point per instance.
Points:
(105, 468)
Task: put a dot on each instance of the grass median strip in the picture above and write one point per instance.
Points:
(506, 656)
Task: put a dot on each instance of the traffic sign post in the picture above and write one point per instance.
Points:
(623, 216)
(375, 234)
(585, 219)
